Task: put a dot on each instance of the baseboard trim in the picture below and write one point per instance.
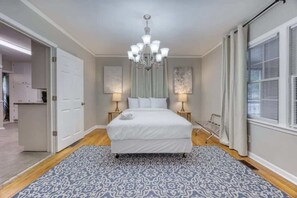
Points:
(290, 177)
(90, 129)
(101, 126)
(196, 127)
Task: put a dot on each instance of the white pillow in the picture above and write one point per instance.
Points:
(159, 103)
(133, 103)
(144, 102)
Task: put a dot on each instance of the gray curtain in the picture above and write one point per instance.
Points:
(233, 130)
(152, 83)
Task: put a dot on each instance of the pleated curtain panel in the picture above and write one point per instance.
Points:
(233, 131)
(152, 83)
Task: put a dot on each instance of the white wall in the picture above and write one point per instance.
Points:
(276, 147)
(104, 100)
(272, 145)
(16, 10)
(211, 83)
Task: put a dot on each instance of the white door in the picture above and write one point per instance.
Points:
(70, 99)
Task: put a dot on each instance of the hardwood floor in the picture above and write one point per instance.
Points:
(99, 137)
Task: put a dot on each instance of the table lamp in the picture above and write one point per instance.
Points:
(116, 97)
(182, 98)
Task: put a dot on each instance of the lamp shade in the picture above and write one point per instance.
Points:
(157, 42)
(154, 48)
(158, 58)
(116, 97)
(134, 49)
(164, 51)
(130, 55)
(146, 39)
(182, 98)
(137, 58)
(140, 46)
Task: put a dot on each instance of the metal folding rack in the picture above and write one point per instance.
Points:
(212, 125)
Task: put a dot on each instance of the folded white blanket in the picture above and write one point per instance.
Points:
(127, 115)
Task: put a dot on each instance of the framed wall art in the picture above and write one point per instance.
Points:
(183, 80)
(113, 79)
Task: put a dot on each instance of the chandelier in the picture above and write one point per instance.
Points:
(146, 55)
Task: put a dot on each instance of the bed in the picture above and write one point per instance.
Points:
(152, 130)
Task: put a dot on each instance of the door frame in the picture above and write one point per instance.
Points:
(50, 74)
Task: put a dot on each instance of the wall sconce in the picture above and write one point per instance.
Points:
(116, 97)
(182, 98)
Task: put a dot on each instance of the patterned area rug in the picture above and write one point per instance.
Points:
(92, 171)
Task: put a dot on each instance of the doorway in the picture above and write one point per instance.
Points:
(24, 140)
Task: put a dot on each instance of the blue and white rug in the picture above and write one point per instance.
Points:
(92, 171)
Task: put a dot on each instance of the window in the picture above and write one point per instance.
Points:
(293, 73)
(263, 80)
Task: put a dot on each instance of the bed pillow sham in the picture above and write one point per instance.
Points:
(144, 102)
(133, 103)
(159, 103)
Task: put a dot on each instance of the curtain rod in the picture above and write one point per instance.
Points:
(262, 12)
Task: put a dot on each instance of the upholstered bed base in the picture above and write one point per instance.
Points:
(152, 146)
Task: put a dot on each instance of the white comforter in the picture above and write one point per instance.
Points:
(150, 124)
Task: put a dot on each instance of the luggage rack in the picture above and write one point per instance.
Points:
(212, 126)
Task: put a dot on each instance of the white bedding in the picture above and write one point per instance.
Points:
(150, 124)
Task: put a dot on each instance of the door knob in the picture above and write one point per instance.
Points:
(82, 104)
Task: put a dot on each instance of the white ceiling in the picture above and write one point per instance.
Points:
(12, 36)
(188, 28)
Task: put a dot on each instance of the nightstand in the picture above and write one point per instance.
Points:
(113, 114)
(185, 114)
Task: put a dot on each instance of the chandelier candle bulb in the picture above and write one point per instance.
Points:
(135, 50)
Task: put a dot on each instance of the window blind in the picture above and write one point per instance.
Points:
(263, 82)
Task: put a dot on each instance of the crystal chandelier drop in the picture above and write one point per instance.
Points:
(147, 54)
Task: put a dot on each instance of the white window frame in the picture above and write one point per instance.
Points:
(285, 97)
(260, 42)
(293, 102)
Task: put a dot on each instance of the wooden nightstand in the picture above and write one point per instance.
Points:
(185, 114)
(113, 114)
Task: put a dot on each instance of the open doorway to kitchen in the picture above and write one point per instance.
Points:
(24, 63)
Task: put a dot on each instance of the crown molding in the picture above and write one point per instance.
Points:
(111, 56)
(49, 20)
(124, 56)
(24, 30)
(185, 56)
(45, 17)
(212, 49)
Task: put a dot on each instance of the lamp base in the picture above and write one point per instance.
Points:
(182, 109)
(117, 107)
